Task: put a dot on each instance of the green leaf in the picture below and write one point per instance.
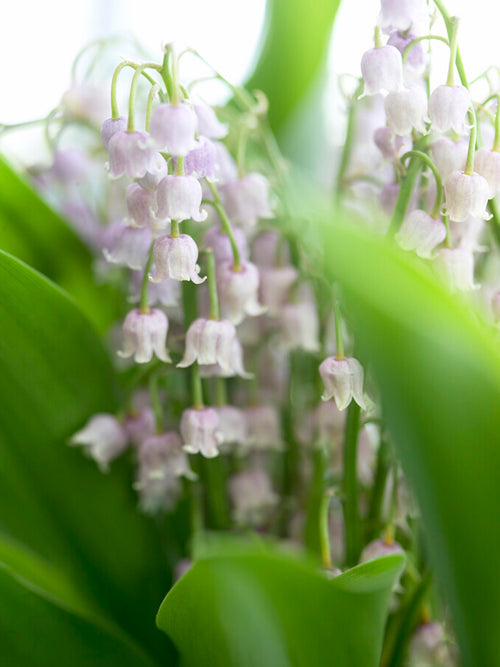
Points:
(45, 620)
(31, 231)
(265, 607)
(438, 372)
(55, 375)
(293, 52)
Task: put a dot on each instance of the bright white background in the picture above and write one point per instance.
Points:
(38, 40)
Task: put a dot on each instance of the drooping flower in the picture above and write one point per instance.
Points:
(253, 497)
(130, 153)
(456, 265)
(141, 204)
(103, 437)
(175, 257)
(247, 199)
(128, 246)
(343, 381)
(110, 127)
(200, 432)
(448, 106)
(406, 110)
(209, 342)
(487, 164)
(208, 124)
(421, 232)
(382, 70)
(145, 334)
(402, 14)
(263, 427)
(449, 155)
(466, 194)
(140, 425)
(274, 286)
(200, 161)
(238, 291)
(161, 455)
(234, 367)
(173, 128)
(232, 425)
(179, 198)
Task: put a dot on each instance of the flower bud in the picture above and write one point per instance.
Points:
(145, 334)
(110, 127)
(379, 548)
(175, 257)
(343, 381)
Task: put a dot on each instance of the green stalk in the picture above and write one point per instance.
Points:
(212, 286)
(144, 298)
(349, 139)
(324, 533)
(338, 331)
(377, 494)
(453, 21)
(404, 196)
(196, 387)
(226, 225)
(350, 486)
(156, 403)
(439, 183)
(469, 165)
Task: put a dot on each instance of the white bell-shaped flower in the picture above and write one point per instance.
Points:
(247, 199)
(200, 432)
(343, 381)
(179, 198)
(208, 124)
(448, 106)
(382, 70)
(103, 437)
(173, 128)
(402, 14)
(130, 153)
(175, 257)
(238, 291)
(145, 334)
(421, 232)
(456, 266)
(466, 194)
(449, 155)
(161, 456)
(253, 497)
(209, 342)
(110, 127)
(128, 246)
(406, 110)
(141, 204)
(487, 164)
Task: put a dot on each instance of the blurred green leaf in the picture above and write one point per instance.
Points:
(44, 619)
(294, 49)
(31, 231)
(55, 375)
(438, 371)
(268, 608)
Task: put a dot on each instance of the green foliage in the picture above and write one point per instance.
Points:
(438, 371)
(56, 374)
(31, 231)
(249, 606)
(293, 52)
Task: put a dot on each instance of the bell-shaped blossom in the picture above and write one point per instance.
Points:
(456, 266)
(158, 495)
(448, 106)
(466, 194)
(389, 196)
(234, 367)
(382, 70)
(168, 292)
(140, 425)
(449, 155)
(388, 143)
(225, 167)
(200, 432)
(141, 204)
(247, 199)
(128, 246)
(110, 127)
(416, 59)
(161, 455)
(173, 128)
(267, 247)
(238, 291)
(221, 245)
(208, 124)
(487, 164)
(232, 425)
(252, 497)
(155, 173)
(343, 381)
(299, 326)
(379, 548)
(428, 646)
(145, 334)
(402, 14)
(421, 232)
(200, 161)
(175, 257)
(71, 166)
(274, 286)
(103, 437)
(130, 153)
(179, 198)
(209, 342)
(406, 110)
(263, 427)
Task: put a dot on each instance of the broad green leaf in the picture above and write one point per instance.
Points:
(31, 231)
(55, 375)
(265, 607)
(45, 620)
(293, 52)
(438, 370)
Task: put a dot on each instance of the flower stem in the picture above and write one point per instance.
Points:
(469, 165)
(439, 183)
(153, 93)
(324, 533)
(139, 70)
(417, 40)
(196, 387)
(226, 225)
(155, 402)
(144, 298)
(453, 50)
(212, 286)
(338, 330)
(350, 485)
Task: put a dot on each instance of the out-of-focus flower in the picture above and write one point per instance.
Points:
(103, 437)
